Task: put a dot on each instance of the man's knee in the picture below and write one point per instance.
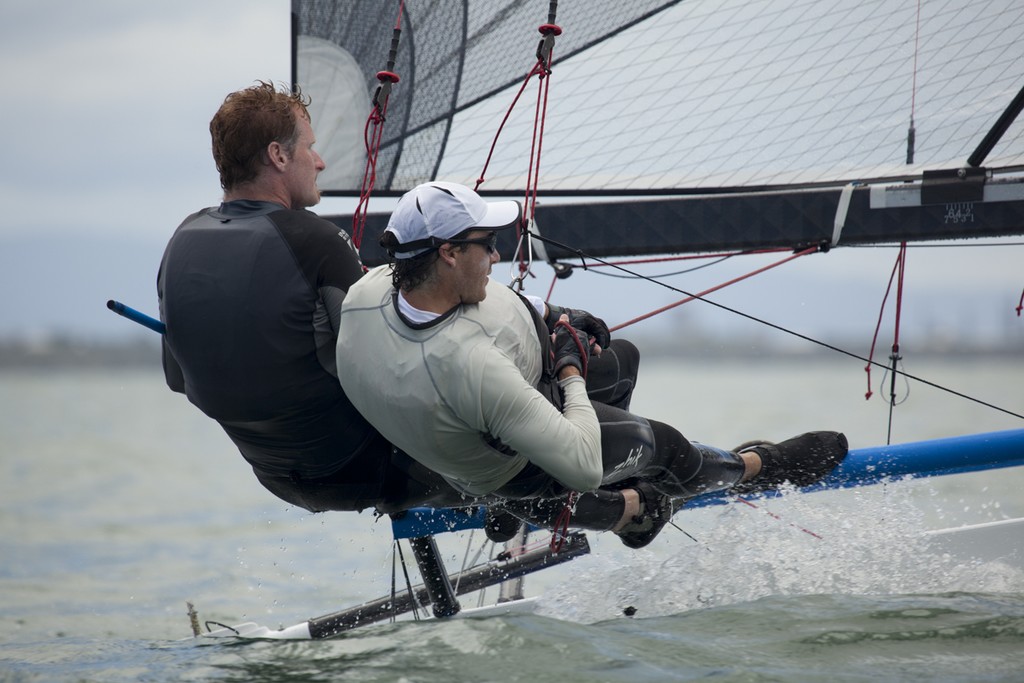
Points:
(627, 443)
(611, 377)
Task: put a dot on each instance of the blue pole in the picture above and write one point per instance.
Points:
(861, 467)
(427, 521)
(136, 316)
(951, 455)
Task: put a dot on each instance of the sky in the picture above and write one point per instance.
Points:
(106, 108)
(112, 100)
(106, 111)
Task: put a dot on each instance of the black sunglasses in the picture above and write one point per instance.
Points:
(490, 242)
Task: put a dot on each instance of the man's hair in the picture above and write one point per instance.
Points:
(409, 273)
(247, 122)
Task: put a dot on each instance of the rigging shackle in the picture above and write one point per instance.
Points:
(549, 31)
(383, 92)
(547, 44)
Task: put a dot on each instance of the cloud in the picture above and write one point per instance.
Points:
(110, 103)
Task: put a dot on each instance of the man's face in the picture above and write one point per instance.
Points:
(474, 267)
(304, 166)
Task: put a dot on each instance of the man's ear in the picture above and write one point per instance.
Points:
(277, 155)
(446, 252)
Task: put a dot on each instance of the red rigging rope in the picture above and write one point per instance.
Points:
(899, 269)
(580, 345)
(541, 69)
(373, 132)
(494, 143)
(561, 530)
(804, 252)
(740, 499)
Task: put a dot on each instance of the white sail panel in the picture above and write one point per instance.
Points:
(337, 92)
(734, 93)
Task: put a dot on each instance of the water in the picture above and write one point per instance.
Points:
(119, 503)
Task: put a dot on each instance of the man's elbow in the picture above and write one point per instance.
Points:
(585, 480)
(593, 482)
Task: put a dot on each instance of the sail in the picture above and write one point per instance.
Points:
(452, 56)
(729, 110)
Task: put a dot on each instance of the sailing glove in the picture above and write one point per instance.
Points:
(596, 330)
(568, 351)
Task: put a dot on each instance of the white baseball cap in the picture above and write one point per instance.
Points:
(430, 214)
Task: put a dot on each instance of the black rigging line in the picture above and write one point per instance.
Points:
(659, 275)
(579, 253)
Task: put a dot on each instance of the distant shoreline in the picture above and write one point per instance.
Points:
(64, 353)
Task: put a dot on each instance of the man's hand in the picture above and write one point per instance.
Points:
(569, 346)
(597, 334)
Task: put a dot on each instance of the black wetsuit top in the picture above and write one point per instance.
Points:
(251, 293)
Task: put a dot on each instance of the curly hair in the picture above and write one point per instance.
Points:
(409, 273)
(247, 122)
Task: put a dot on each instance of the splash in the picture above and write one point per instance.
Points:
(870, 541)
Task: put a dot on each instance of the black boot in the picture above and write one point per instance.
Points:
(801, 461)
(655, 511)
(500, 525)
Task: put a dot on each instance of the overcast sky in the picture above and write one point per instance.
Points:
(107, 103)
(106, 106)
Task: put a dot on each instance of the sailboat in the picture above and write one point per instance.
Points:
(690, 127)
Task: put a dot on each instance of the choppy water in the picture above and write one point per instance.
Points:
(119, 502)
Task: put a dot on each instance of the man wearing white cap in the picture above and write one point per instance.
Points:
(488, 388)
